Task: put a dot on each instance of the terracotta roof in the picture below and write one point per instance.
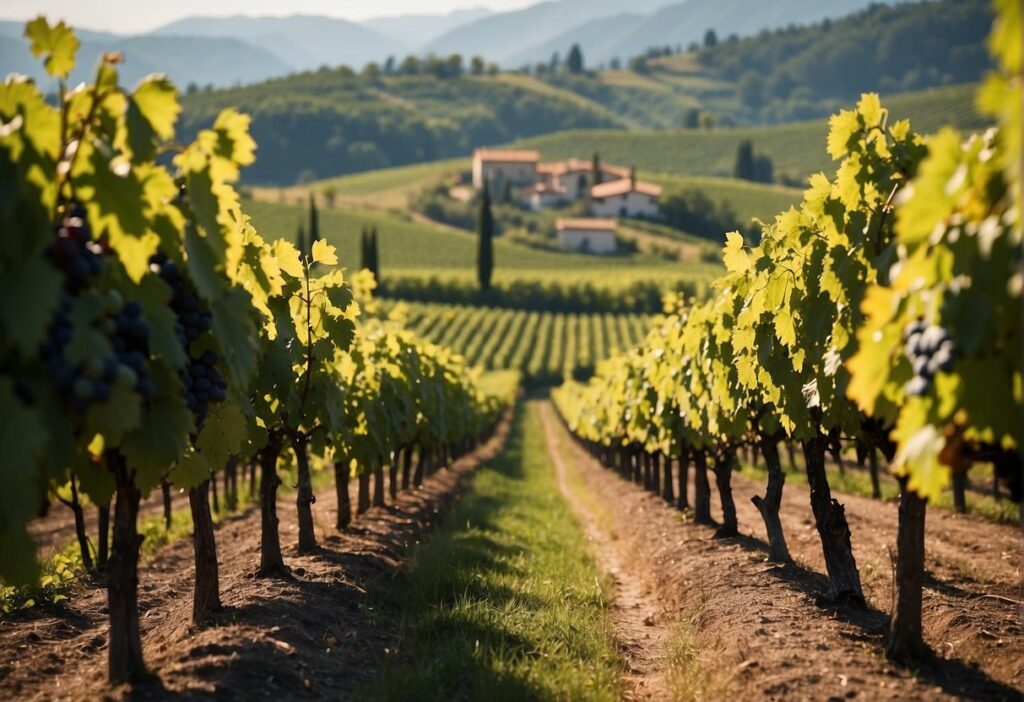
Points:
(589, 224)
(506, 156)
(576, 165)
(623, 186)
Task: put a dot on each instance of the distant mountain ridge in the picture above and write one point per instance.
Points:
(198, 60)
(416, 30)
(303, 41)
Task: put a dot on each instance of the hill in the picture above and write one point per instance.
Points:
(417, 29)
(797, 150)
(505, 35)
(302, 41)
(185, 59)
(906, 47)
(331, 122)
(686, 22)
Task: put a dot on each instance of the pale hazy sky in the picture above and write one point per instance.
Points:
(142, 15)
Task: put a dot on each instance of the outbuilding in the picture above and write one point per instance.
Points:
(588, 235)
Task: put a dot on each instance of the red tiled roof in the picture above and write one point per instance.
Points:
(506, 156)
(623, 186)
(590, 224)
(576, 165)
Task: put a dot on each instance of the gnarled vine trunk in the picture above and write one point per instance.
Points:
(165, 491)
(206, 598)
(378, 484)
(421, 466)
(830, 519)
(701, 489)
(124, 654)
(341, 477)
(668, 492)
(960, 491)
(363, 495)
(83, 539)
(304, 497)
(271, 562)
(769, 505)
(103, 538)
(682, 498)
(905, 642)
(724, 460)
(406, 467)
(393, 475)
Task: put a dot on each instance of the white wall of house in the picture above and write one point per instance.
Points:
(571, 182)
(595, 241)
(539, 201)
(515, 173)
(632, 204)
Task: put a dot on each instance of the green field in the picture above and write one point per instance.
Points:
(406, 243)
(797, 150)
(544, 346)
(504, 600)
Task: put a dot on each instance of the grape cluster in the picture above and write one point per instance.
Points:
(91, 381)
(930, 350)
(204, 384)
(74, 252)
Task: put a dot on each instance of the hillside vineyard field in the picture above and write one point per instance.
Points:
(589, 350)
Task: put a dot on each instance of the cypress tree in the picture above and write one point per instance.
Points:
(364, 248)
(300, 241)
(374, 254)
(485, 245)
(314, 224)
(744, 167)
(595, 170)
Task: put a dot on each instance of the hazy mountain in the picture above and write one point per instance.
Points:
(199, 60)
(417, 30)
(595, 37)
(506, 35)
(303, 41)
(686, 22)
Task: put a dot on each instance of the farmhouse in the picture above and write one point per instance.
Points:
(588, 235)
(573, 176)
(515, 167)
(544, 195)
(626, 197)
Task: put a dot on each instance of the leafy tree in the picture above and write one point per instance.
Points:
(485, 242)
(710, 39)
(476, 66)
(751, 90)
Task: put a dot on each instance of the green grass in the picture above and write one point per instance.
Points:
(796, 149)
(857, 481)
(387, 188)
(748, 200)
(503, 601)
(407, 243)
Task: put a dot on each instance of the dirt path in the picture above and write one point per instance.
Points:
(641, 629)
(318, 636)
(748, 629)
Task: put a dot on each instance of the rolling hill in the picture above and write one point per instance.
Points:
(797, 149)
(196, 60)
(417, 29)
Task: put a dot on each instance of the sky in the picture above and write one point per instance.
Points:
(130, 16)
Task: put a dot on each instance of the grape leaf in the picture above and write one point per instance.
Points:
(26, 317)
(324, 253)
(58, 43)
(191, 470)
(223, 434)
(23, 436)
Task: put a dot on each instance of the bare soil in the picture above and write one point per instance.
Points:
(319, 635)
(759, 630)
